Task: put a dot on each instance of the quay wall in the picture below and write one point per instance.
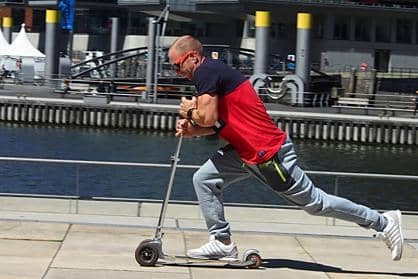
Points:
(305, 125)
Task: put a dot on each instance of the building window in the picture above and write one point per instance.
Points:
(341, 27)
(138, 24)
(416, 32)
(92, 22)
(249, 28)
(18, 17)
(38, 21)
(403, 31)
(383, 32)
(318, 27)
(362, 29)
(279, 30)
(201, 30)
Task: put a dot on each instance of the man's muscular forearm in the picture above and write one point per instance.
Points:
(202, 131)
(187, 128)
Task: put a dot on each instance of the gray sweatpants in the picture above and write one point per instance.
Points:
(283, 175)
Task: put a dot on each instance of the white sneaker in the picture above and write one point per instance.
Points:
(214, 250)
(392, 234)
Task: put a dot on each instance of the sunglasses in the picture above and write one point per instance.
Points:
(177, 64)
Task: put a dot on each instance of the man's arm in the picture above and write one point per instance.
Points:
(203, 110)
(186, 128)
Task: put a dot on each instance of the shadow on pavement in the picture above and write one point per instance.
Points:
(309, 266)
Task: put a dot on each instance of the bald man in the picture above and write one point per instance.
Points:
(226, 104)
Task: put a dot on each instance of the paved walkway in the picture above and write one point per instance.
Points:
(47, 240)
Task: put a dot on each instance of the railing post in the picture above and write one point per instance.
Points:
(151, 56)
(335, 193)
(77, 188)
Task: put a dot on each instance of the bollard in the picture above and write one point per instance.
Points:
(262, 34)
(16, 113)
(156, 121)
(113, 118)
(149, 121)
(163, 119)
(340, 132)
(302, 130)
(355, 133)
(348, 133)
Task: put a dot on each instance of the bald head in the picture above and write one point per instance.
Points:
(186, 55)
(187, 43)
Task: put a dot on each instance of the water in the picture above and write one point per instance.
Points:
(77, 143)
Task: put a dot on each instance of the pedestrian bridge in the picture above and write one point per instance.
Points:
(130, 64)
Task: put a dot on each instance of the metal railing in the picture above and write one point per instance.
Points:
(337, 176)
(390, 104)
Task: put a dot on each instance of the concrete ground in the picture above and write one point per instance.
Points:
(64, 239)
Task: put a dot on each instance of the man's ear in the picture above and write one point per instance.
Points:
(196, 59)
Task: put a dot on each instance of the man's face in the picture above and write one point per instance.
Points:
(182, 63)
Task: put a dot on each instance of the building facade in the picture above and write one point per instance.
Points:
(346, 34)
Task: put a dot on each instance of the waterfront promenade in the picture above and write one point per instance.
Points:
(69, 239)
(28, 92)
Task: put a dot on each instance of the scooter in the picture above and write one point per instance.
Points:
(150, 251)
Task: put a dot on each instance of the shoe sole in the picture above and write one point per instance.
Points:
(226, 259)
(399, 216)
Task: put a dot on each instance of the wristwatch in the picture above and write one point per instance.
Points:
(190, 113)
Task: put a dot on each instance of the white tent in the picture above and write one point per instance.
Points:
(22, 47)
(4, 51)
(24, 59)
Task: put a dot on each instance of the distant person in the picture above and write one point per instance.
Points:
(4, 71)
(66, 86)
(101, 88)
(291, 66)
(364, 66)
(325, 64)
(291, 62)
(226, 104)
(19, 64)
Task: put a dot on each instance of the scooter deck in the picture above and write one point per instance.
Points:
(186, 261)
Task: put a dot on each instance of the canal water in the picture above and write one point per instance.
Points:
(75, 143)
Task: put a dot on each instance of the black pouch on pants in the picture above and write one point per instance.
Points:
(275, 175)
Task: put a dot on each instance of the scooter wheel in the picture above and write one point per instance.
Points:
(145, 241)
(255, 258)
(146, 254)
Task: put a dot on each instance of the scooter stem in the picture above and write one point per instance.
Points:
(174, 160)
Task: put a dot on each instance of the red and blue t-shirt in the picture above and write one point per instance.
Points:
(248, 127)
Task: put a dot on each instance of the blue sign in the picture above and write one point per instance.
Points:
(67, 14)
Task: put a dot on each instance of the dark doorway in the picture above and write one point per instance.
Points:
(381, 60)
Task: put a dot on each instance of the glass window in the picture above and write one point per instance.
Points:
(279, 30)
(138, 24)
(38, 21)
(97, 22)
(318, 27)
(362, 29)
(403, 31)
(250, 28)
(91, 22)
(341, 27)
(18, 16)
(383, 31)
(416, 32)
